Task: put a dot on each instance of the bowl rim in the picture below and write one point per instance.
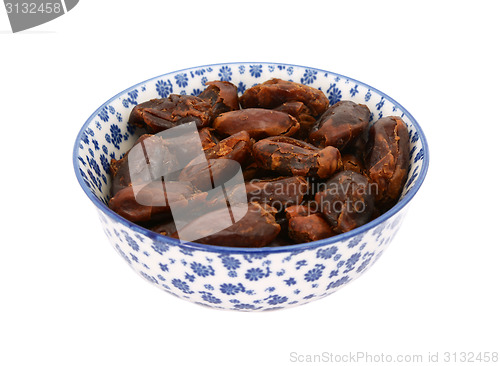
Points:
(263, 250)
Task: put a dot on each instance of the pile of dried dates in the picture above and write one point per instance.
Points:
(311, 170)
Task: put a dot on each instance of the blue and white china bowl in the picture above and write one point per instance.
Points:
(239, 278)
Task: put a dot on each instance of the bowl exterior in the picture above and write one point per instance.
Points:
(232, 278)
(249, 281)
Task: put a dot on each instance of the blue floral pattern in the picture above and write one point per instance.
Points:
(181, 80)
(244, 280)
(164, 88)
(334, 94)
(256, 70)
(309, 76)
(225, 73)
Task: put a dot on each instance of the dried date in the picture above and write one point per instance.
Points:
(340, 125)
(388, 158)
(289, 156)
(208, 138)
(301, 210)
(160, 114)
(255, 229)
(149, 202)
(210, 173)
(275, 92)
(303, 115)
(347, 201)
(156, 162)
(222, 96)
(353, 162)
(220, 162)
(259, 123)
(237, 147)
(303, 229)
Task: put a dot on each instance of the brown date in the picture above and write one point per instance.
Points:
(208, 138)
(353, 162)
(222, 96)
(220, 162)
(259, 123)
(237, 147)
(160, 114)
(255, 229)
(210, 173)
(388, 158)
(347, 201)
(251, 171)
(277, 192)
(303, 115)
(150, 202)
(275, 92)
(166, 228)
(289, 156)
(307, 228)
(340, 125)
(157, 161)
(187, 145)
(310, 208)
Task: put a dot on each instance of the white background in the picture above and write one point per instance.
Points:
(66, 297)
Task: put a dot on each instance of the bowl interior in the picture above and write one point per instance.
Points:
(106, 134)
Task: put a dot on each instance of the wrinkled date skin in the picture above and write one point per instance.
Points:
(289, 156)
(305, 226)
(157, 158)
(303, 115)
(275, 92)
(388, 158)
(160, 114)
(208, 138)
(278, 192)
(259, 123)
(209, 174)
(150, 203)
(219, 162)
(347, 201)
(353, 162)
(222, 96)
(255, 229)
(188, 144)
(237, 147)
(340, 125)
(301, 210)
